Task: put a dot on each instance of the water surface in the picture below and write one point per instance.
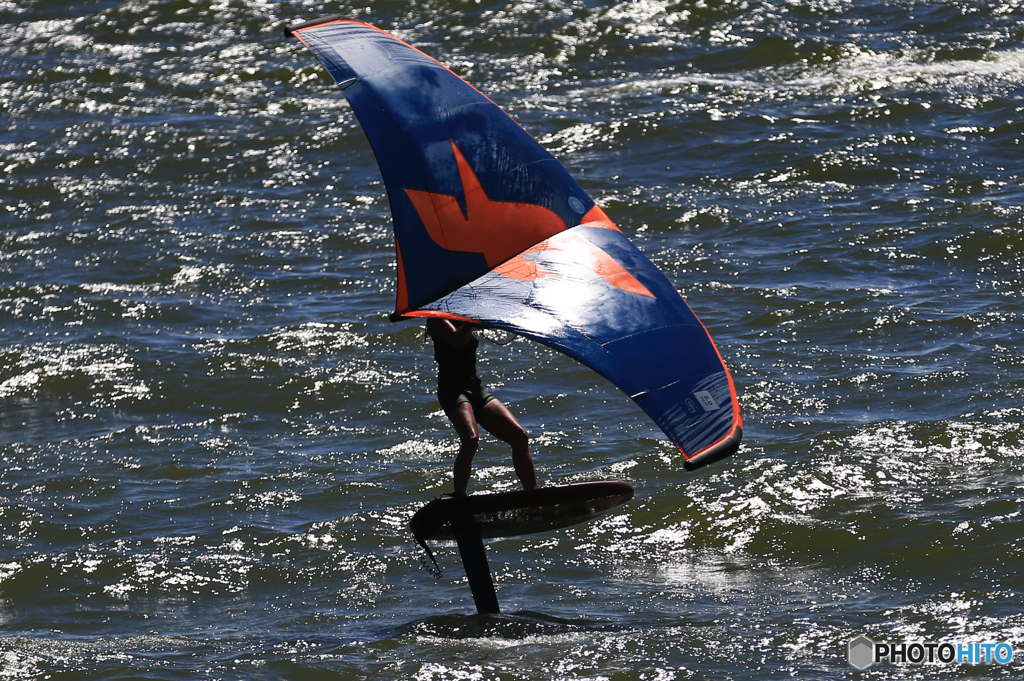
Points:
(212, 437)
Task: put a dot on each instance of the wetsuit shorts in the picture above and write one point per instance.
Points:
(470, 390)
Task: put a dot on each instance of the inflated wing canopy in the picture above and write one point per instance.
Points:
(489, 227)
(469, 188)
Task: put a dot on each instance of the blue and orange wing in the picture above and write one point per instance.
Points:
(591, 294)
(439, 143)
(490, 227)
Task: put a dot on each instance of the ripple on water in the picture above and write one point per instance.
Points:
(196, 261)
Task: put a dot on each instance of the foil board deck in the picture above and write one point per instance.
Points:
(509, 514)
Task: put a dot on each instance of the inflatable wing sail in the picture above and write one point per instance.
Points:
(489, 227)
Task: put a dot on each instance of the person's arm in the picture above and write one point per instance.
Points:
(445, 330)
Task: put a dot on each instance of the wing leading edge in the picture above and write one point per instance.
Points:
(490, 227)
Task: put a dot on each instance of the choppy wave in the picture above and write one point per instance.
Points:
(213, 439)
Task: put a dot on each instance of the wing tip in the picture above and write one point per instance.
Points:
(289, 31)
(716, 452)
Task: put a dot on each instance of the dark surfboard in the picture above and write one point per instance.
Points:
(509, 514)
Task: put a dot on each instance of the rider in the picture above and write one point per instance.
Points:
(468, 404)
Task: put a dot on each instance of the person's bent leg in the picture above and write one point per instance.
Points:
(469, 441)
(500, 423)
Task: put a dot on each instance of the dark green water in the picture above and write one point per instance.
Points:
(212, 437)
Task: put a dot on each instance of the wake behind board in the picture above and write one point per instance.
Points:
(509, 514)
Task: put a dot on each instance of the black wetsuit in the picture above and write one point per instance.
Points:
(457, 381)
